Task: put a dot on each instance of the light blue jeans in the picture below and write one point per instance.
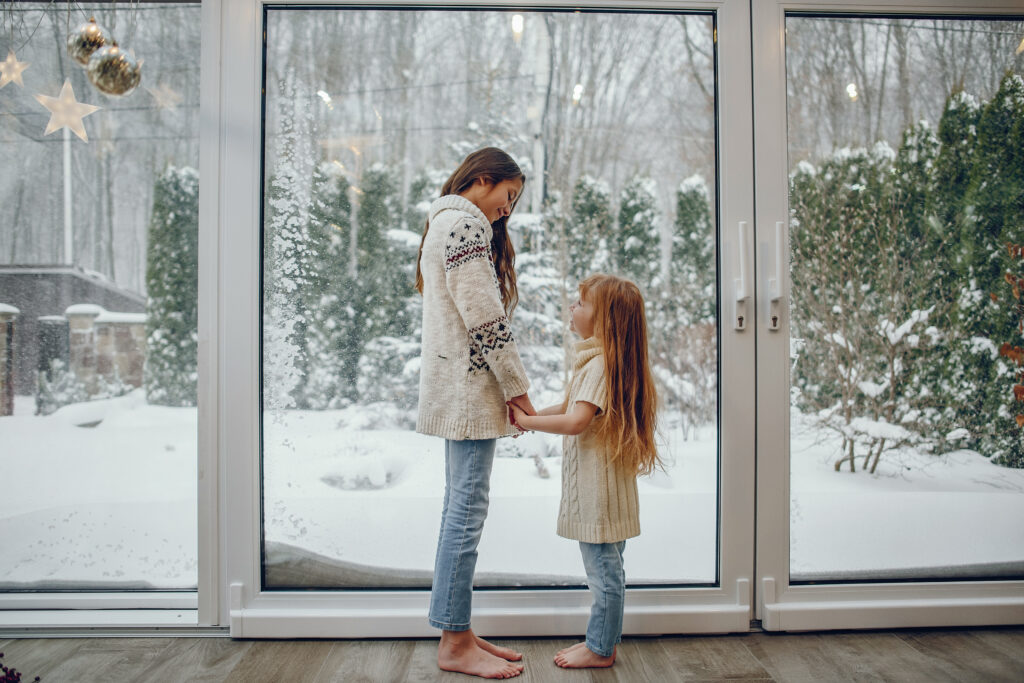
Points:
(607, 582)
(467, 473)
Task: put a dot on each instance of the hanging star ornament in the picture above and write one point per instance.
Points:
(10, 70)
(66, 111)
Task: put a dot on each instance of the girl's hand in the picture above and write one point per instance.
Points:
(516, 415)
(523, 403)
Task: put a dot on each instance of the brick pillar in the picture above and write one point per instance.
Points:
(7, 316)
(81, 318)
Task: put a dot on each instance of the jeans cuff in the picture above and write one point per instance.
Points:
(447, 627)
(598, 651)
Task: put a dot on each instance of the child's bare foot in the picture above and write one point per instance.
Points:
(579, 656)
(497, 650)
(459, 651)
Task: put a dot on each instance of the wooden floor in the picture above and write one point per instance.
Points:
(984, 654)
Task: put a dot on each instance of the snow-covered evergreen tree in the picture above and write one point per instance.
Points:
(172, 284)
(682, 313)
(636, 243)
(692, 264)
(589, 229)
(331, 380)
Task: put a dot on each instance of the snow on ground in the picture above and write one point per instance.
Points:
(114, 504)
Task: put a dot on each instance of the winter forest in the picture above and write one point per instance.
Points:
(906, 249)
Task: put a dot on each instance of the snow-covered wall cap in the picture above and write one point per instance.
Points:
(113, 317)
(84, 309)
(525, 221)
(52, 318)
(7, 309)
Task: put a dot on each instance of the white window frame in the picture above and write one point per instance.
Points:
(782, 606)
(178, 610)
(253, 613)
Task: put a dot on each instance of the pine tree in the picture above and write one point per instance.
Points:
(636, 244)
(692, 265)
(172, 284)
(682, 313)
(589, 228)
(331, 382)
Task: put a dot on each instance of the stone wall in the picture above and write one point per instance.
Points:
(8, 314)
(106, 347)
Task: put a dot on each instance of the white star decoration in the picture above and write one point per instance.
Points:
(10, 70)
(66, 111)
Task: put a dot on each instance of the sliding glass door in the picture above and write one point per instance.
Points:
(623, 127)
(893, 360)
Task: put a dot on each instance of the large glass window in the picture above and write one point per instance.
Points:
(98, 257)
(612, 118)
(905, 240)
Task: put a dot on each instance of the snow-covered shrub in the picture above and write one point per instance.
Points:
(58, 387)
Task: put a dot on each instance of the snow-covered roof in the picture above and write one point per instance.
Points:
(84, 309)
(7, 308)
(116, 317)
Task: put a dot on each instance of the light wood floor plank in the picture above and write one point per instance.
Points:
(973, 656)
(274, 661)
(712, 658)
(38, 657)
(855, 656)
(539, 661)
(108, 659)
(369, 661)
(196, 660)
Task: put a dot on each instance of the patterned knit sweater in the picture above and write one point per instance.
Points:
(599, 501)
(469, 364)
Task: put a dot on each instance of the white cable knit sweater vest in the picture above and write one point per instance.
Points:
(600, 503)
(469, 364)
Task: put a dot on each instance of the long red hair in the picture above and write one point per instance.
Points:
(494, 166)
(628, 424)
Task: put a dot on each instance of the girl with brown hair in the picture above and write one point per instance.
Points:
(608, 419)
(470, 369)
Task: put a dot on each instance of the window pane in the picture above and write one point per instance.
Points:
(611, 117)
(906, 220)
(98, 304)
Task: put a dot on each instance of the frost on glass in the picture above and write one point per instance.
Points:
(98, 311)
(614, 128)
(905, 231)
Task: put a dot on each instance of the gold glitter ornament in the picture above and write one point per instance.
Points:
(85, 40)
(114, 71)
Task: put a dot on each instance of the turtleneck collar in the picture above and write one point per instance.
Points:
(460, 203)
(585, 350)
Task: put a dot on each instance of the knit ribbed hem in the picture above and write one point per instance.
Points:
(599, 533)
(516, 387)
(463, 430)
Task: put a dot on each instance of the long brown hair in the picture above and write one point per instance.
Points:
(620, 324)
(494, 166)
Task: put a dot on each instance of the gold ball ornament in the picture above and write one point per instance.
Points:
(85, 40)
(114, 71)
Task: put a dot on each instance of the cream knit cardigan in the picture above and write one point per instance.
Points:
(599, 503)
(469, 364)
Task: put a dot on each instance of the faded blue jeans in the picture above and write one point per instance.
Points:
(607, 582)
(467, 473)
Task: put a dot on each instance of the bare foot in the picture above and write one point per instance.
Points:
(503, 652)
(571, 647)
(579, 656)
(459, 651)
